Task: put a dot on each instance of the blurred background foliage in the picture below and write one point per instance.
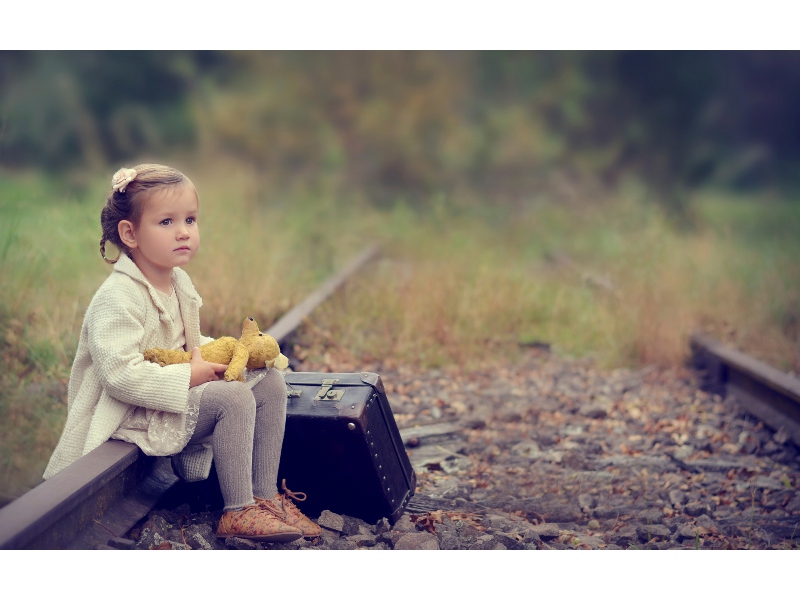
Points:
(414, 123)
(599, 204)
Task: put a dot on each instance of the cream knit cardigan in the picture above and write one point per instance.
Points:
(110, 376)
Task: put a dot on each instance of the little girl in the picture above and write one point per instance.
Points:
(184, 411)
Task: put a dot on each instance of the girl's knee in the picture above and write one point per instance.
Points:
(272, 388)
(239, 397)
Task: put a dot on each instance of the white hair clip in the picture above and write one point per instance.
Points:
(121, 179)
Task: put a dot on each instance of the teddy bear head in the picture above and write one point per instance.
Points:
(262, 348)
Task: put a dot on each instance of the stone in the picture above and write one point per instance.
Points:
(298, 544)
(329, 536)
(686, 532)
(404, 524)
(179, 546)
(362, 541)
(547, 530)
(793, 506)
(381, 526)
(201, 537)
(677, 497)
(508, 542)
(344, 544)
(497, 523)
(592, 541)
(586, 501)
(330, 520)
(150, 539)
(390, 537)
(648, 532)
(378, 546)
(169, 516)
(650, 516)
(417, 541)
(157, 524)
(449, 541)
(625, 536)
(352, 525)
(561, 512)
(528, 449)
(455, 464)
(695, 509)
(607, 512)
(237, 543)
(593, 410)
(705, 521)
(764, 482)
(483, 543)
(683, 452)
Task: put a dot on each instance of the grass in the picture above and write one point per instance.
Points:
(463, 283)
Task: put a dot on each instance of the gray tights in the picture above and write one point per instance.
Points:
(246, 430)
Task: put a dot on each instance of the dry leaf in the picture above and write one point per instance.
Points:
(165, 545)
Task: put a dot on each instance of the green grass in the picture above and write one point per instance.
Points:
(463, 283)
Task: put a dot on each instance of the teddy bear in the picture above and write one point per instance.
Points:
(253, 350)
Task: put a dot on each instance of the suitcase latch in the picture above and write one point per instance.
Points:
(326, 393)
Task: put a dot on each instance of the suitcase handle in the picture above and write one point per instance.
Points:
(326, 393)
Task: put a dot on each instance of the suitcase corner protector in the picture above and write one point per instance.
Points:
(372, 379)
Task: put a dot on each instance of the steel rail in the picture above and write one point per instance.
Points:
(761, 390)
(107, 491)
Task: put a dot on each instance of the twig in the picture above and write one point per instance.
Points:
(443, 449)
(683, 465)
(106, 528)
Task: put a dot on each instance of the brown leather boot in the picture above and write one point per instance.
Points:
(291, 514)
(258, 523)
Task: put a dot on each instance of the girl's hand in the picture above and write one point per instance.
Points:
(202, 370)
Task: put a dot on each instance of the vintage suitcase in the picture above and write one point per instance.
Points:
(342, 447)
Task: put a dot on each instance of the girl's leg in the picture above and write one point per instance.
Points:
(270, 395)
(228, 414)
(270, 420)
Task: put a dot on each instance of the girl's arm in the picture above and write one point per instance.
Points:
(115, 333)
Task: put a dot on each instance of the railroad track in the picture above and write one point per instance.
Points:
(761, 390)
(109, 490)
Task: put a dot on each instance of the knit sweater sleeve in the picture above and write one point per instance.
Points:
(115, 333)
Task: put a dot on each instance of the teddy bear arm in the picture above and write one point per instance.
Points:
(165, 357)
(219, 351)
(237, 364)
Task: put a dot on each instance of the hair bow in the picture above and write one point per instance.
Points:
(121, 179)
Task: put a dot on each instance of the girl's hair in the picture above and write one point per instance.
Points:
(126, 202)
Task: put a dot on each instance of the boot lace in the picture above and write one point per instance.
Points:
(289, 495)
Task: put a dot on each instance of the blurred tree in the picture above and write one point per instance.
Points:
(416, 124)
(62, 109)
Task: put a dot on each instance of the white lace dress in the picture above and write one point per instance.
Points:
(158, 432)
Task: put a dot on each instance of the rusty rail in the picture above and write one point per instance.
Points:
(761, 390)
(106, 492)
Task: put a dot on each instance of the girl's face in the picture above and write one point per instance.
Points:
(167, 235)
